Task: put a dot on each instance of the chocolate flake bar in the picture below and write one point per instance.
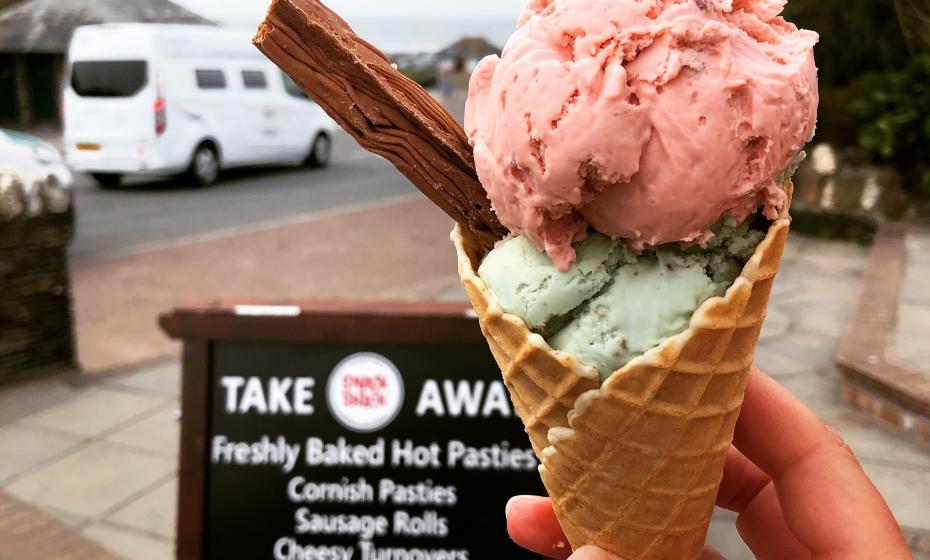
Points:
(386, 112)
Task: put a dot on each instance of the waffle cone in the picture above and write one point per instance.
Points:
(633, 466)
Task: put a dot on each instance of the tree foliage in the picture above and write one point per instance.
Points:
(856, 36)
(894, 109)
(914, 16)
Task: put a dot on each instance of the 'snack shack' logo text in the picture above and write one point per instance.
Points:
(365, 392)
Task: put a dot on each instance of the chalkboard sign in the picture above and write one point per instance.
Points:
(358, 431)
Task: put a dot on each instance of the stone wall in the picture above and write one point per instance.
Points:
(36, 327)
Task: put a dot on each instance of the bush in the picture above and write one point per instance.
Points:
(894, 109)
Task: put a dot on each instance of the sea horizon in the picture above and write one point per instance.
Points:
(423, 35)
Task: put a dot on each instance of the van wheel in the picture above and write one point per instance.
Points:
(205, 166)
(108, 180)
(321, 152)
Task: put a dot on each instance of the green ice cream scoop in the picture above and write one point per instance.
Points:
(646, 303)
(612, 306)
(528, 285)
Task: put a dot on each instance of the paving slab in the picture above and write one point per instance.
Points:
(777, 323)
(812, 281)
(906, 490)
(92, 411)
(159, 432)
(912, 338)
(822, 395)
(153, 512)
(824, 317)
(30, 397)
(723, 536)
(71, 520)
(164, 379)
(882, 444)
(130, 544)
(914, 291)
(780, 364)
(25, 448)
(93, 480)
(827, 254)
(814, 349)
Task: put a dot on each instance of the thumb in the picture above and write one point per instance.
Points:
(592, 553)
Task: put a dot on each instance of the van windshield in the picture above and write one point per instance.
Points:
(109, 78)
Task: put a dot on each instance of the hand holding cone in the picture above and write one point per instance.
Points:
(797, 488)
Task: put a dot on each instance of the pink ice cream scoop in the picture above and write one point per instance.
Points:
(648, 120)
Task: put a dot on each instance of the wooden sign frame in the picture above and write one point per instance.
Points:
(199, 325)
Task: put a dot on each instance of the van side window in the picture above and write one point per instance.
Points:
(211, 79)
(254, 79)
(292, 88)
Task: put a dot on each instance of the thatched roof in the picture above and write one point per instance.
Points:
(45, 26)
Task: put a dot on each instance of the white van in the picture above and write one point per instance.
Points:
(170, 99)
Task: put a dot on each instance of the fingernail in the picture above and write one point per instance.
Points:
(509, 505)
(592, 553)
(513, 501)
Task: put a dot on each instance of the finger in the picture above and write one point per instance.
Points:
(592, 553)
(532, 524)
(826, 496)
(762, 527)
(747, 490)
(742, 482)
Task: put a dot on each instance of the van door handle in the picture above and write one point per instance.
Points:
(270, 113)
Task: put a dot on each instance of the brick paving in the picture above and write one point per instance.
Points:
(877, 381)
(85, 428)
(392, 250)
(27, 532)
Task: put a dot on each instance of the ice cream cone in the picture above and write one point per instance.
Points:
(633, 466)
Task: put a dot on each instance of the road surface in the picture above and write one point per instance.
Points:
(153, 211)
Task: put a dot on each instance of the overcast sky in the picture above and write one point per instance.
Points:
(248, 11)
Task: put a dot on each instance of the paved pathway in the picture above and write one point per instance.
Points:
(913, 336)
(100, 457)
(386, 250)
(117, 434)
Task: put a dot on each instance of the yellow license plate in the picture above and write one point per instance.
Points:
(89, 147)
